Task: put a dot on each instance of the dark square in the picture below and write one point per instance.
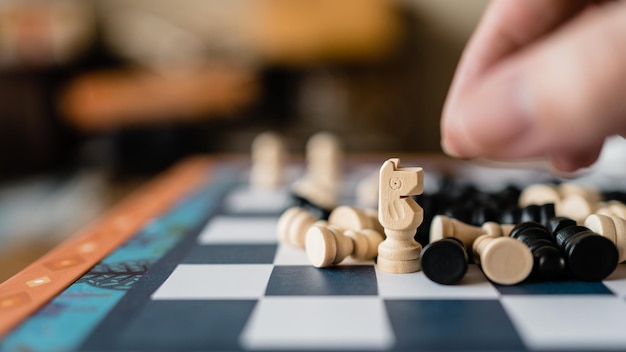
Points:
(357, 280)
(468, 325)
(556, 288)
(186, 326)
(231, 254)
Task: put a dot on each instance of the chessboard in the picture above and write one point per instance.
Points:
(196, 265)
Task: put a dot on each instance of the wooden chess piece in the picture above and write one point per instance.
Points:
(268, 162)
(328, 245)
(612, 227)
(504, 260)
(350, 218)
(400, 215)
(293, 226)
(322, 178)
(445, 227)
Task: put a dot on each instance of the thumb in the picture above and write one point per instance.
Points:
(558, 98)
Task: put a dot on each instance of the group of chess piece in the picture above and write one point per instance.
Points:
(553, 232)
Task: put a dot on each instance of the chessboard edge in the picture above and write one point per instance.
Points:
(32, 287)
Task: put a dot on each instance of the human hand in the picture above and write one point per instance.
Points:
(540, 78)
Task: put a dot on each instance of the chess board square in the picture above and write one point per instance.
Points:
(245, 200)
(417, 285)
(555, 288)
(568, 322)
(616, 282)
(288, 255)
(231, 254)
(314, 323)
(469, 325)
(358, 280)
(232, 229)
(215, 281)
(186, 326)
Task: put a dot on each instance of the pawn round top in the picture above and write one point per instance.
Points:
(591, 257)
(506, 261)
(444, 261)
(321, 247)
(602, 225)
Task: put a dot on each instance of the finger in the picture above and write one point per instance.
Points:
(559, 97)
(506, 27)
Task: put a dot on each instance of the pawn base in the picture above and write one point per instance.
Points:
(398, 266)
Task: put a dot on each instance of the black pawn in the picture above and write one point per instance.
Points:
(531, 213)
(549, 263)
(444, 261)
(546, 213)
(510, 215)
(590, 256)
(558, 223)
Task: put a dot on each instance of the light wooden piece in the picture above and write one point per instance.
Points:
(612, 208)
(324, 158)
(617, 208)
(506, 229)
(367, 191)
(293, 225)
(612, 227)
(327, 245)
(443, 226)
(373, 214)
(268, 162)
(575, 206)
(330, 245)
(539, 194)
(504, 260)
(590, 194)
(366, 243)
(321, 181)
(400, 216)
(350, 218)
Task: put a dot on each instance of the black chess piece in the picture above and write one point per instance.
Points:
(590, 257)
(445, 261)
(549, 263)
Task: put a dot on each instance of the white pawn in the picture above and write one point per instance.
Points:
(443, 226)
(293, 225)
(268, 162)
(330, 245)
(504, 260)
(324, 160)
(321, 181)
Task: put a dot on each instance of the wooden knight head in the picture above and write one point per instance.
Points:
(396, 209)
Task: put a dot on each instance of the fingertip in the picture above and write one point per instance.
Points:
(572, 162)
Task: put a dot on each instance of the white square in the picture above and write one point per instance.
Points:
(286, 323)
(616, 282)
(236, 230)
(568, 322)
(289, 255)
(248, 200)
(207, 281)
(416, 285)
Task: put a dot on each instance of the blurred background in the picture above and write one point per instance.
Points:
(97, 95)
